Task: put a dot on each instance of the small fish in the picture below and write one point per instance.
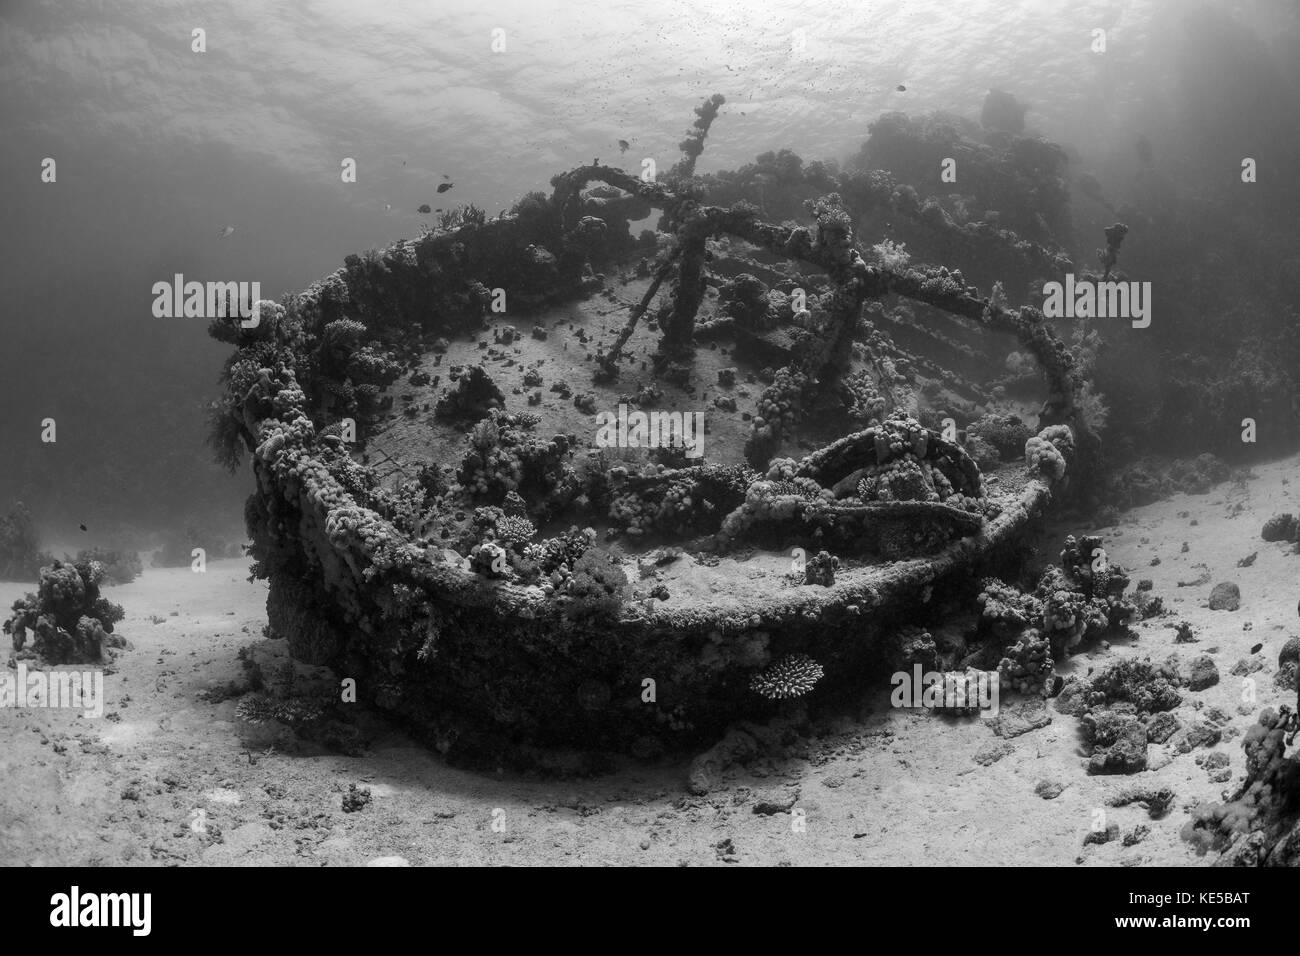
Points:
(443, 187)
(225, 232)
(901, 88)
(82, 527)
(388, 207)
(424, 208)
(439, 209)
(623, 145)
(445, 176)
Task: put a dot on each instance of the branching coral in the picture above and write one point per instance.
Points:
(70, 621)
(1082, 600)
(793, 676)
(352, 369)
(892, 255)
(903, 479)
(1005, 611)
(504, 456)
(1027, 665)
(866, 405)
(597, 587)
(515, 531)
(778, 412)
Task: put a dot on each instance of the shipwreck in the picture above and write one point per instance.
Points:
(437, 520)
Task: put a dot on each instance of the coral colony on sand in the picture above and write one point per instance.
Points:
(66, 620)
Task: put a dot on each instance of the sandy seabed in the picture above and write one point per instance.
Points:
(169, 777)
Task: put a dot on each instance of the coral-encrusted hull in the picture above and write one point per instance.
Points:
(486, 669)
